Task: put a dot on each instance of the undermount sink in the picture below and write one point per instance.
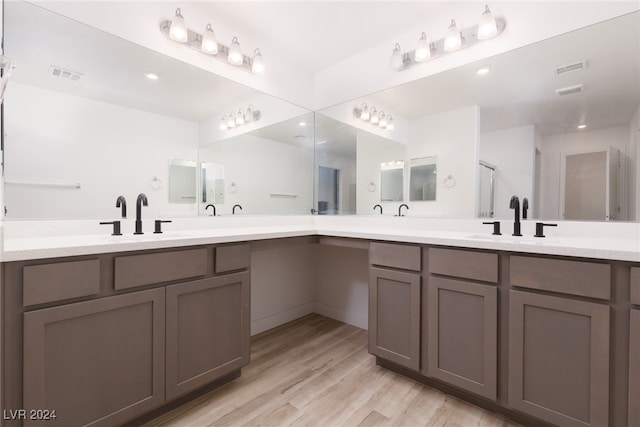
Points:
(505, 238)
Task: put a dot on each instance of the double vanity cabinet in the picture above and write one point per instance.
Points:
(100, 340)
(544, 340)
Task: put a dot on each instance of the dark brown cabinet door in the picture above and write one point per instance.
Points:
(634, 368)
(559, 359)
(96, 363)
(394, 316)
(207, 331)
(462, 334)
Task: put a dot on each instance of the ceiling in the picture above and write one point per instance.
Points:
(316, 34)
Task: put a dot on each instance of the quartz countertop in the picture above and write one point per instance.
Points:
(37, 240)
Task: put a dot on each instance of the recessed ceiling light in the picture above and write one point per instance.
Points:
(483, 70)
(302, 123)
(322, 141)
(151, 76)
(582, 126)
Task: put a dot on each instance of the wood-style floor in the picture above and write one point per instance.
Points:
(316, 371)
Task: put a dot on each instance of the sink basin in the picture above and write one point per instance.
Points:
(505, 238)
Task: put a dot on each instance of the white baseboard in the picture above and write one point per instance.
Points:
(358, 320)
(281, 318)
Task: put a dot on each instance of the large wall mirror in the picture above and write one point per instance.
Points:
(514, 129)
(85, 123)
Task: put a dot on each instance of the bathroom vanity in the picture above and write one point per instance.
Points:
(104, 334)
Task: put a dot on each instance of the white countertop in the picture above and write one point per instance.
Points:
(49, 239)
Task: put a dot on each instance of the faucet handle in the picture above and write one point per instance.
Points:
(158, 225)
(116, 227)
(540, 227)
(496, 227)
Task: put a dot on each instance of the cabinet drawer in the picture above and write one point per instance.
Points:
(233, 257)
(140, 270)
(464, 264)
(56, 282)
(635, 285)
(568, 277)
(406, 257)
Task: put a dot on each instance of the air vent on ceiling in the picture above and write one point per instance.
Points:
(64, 73)
(571, 68)
(570, 90)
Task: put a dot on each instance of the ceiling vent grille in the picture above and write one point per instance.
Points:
(571, 68)
(569, 90)
(64, 73)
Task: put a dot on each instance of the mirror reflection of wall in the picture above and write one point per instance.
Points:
(182, 181)
(392, 181)
(423, 176)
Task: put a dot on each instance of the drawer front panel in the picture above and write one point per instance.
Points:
(568, 277)
(406, 257)
(140, 270)
(233, 257)
(56, 282)
(464, 264)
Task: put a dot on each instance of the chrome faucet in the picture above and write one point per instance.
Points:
(525, 207)
(122, 202)
(213, 208)
(233, 210)
(378, 206)
(515, 205)
(400, 209)
(141, 201)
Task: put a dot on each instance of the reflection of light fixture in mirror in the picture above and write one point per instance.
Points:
(483, 70)
(582, 126)
(423, 49)
(257, 66)
(373, 116)
(151, 76)
(178, 29)
(487, 28)
(209, 43)
(396, 61)
(242, 117)
(302, 124)
(235, 56)
(455, 38)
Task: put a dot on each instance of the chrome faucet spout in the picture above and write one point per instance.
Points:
(140, 202)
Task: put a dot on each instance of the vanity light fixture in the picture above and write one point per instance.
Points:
(455, 38)
(242, 117)
(207, 43)
(372, 115)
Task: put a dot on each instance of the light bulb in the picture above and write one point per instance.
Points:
(209, 43)
(248, 117)
(178, 29)
(257, 67)
(396, 61)
(383, 120)
(375, 118)
(223, 123)
(364, 114)
(487, 27)
(452, 40)
(235, 54)
(231, 121)
(423, 49)
(390, 124)
(240, 117)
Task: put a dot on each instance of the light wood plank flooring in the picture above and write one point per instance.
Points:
(316, 371)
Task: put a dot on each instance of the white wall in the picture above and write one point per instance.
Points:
(576, 142)
(512, 152)
(633, 163)
(256, 167)
(52, 134)
(527, 22)
(371, 151)
(453, 138)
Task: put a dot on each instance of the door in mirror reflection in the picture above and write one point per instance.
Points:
(392, 181)
(486, 190)
(328, 191)
(212, 179)
(182, 181)
(422, 179)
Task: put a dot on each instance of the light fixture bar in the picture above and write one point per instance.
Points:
(469, 38)
(194, 41)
